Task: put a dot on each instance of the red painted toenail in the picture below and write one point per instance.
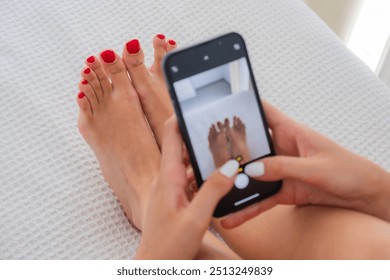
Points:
(81, 95)
(84, 82)
(87, 70)
(133, 46)
(172, 42)
(91, 59)
(108, 56)
(161, 36)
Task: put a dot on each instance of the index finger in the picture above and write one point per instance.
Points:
(172, 148)
(274, 116)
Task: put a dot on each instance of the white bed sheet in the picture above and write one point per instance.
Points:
(54, 202)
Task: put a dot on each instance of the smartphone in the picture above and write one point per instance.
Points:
(220, 116)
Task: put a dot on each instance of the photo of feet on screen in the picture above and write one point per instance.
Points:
(222, 116)
(227, 141)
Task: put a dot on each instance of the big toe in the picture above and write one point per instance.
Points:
(133, 56)
(116, 70)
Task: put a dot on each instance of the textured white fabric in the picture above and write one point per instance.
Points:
(54, 202)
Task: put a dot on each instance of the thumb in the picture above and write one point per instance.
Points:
(211, 192)
(280, 167)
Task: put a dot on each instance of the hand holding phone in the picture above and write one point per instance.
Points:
(316, 171)
(220, 115)
(175, 226)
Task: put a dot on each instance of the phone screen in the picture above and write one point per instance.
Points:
(220, 115)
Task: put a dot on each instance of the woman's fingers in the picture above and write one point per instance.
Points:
(274, 116)
(172, 149)
(273, 169)
(173, 171)
(281, 167)
(210, 193)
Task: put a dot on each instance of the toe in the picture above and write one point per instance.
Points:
(133, 56)
(87, 90)
(102, 76)
(212, 131)
(116, 71)
(226, 124)
(238, 122)
(242, 125)
(170, 45)
(220, 126)
(91, 79)
(159, 51)
(85, 107)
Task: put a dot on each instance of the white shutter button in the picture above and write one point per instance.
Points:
(242, 181)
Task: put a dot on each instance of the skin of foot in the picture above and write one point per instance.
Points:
(218, 144)
(112, 122)
(149, 81)
(237, 139)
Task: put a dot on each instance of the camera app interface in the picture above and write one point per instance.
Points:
(222, 116)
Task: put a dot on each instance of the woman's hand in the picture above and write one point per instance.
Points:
(175, 225)
(315, 171)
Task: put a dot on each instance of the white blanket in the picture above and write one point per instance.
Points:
(54, 202)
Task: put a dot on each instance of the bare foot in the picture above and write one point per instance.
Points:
(112, 122)
(237, 139)
(149, 82)
(218, 144)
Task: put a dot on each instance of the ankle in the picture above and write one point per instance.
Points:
(137, 198)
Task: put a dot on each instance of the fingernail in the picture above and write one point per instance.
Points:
(160, 36)
(87, 70)
(255, 169)
(91, 59)
(81, 95)
(108, 56)
(133, 46)
(84, 82)
(172, 42)
(230, 168)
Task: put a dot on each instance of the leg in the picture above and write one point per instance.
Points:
(313, 232)
(112, 122)
(288, 232)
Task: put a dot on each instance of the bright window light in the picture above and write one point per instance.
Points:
(371, 32)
